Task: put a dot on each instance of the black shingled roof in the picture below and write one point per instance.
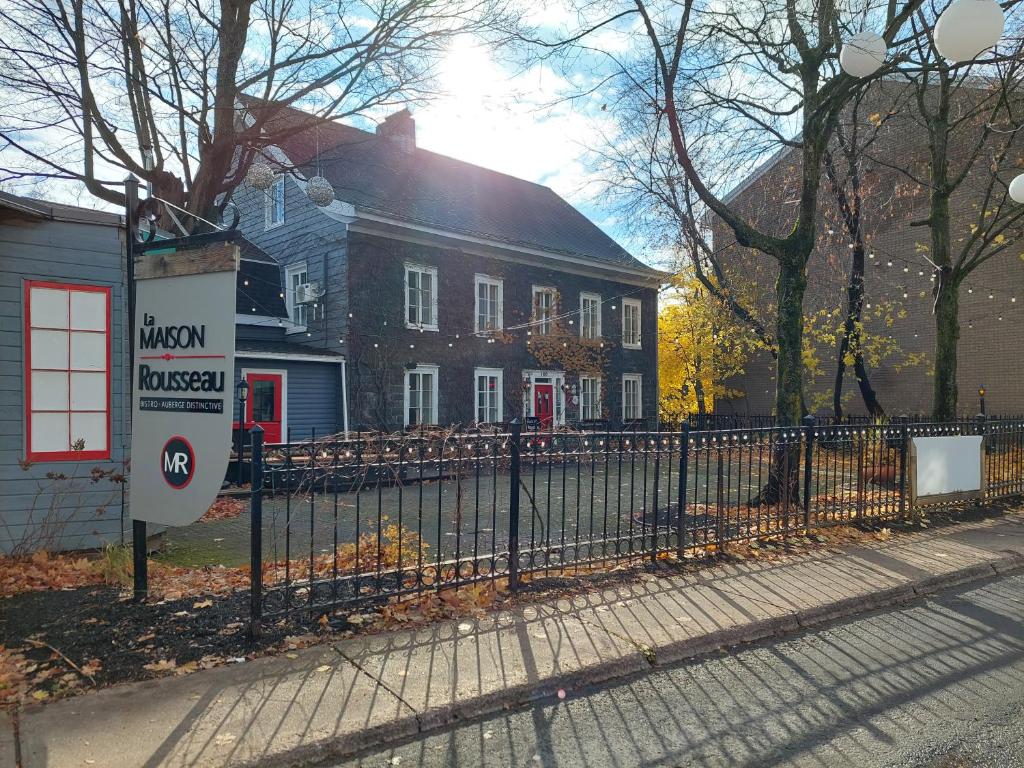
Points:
(258, 284)
(423, 187)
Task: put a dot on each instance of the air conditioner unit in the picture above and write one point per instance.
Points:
(307, 293)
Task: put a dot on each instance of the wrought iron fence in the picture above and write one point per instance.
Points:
(337, 522)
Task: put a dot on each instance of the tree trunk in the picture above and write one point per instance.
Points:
(789, 329)
(698, 387)
(783, 475)
(947, 336)
(852, 338)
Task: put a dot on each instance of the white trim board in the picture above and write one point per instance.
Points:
(290, 356)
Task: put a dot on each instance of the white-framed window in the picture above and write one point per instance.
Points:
(631, 323)
(489, 391)
(421, 395)
(421, 297)
(67, 371)
(544, 310)
(590, 397)
(632, 396)
(296, 277)
(273, 203)
(590, 315)
(488, 303)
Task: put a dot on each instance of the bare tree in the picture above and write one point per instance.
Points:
(969, 121)
(163, 89)
(759, 68)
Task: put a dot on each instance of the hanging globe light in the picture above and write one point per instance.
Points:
(967, 28)
(863, 54)
(1017, 189)
(320, 191)
(260, 175)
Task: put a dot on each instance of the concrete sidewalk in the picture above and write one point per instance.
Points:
(354, 693)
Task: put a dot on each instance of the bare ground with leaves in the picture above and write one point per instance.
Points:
(75, 634)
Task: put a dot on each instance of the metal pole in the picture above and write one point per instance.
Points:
(684, 463)
(241, 440)
(131, 204)
(513, 507)
(904, 440)
(808, 464)
(256, 532)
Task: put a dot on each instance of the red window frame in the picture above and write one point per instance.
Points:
(69, 455)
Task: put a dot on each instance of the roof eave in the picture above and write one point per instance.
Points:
(647, 275)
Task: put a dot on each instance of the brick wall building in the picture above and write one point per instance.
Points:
(898, 275)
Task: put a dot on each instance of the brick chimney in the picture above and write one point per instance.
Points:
(400, 129)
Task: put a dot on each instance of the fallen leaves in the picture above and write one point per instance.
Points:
(45, 571)
(223, 508)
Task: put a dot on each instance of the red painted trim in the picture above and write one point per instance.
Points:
(68, 455)
(272, 428)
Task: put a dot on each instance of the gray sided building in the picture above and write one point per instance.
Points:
(457, 295)
(64, 445)
(63, 393)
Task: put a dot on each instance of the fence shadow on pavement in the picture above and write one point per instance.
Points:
(352, 692)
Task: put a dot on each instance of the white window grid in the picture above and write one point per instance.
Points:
(273, 209)
(421, 395)
(590, 398)
(544, 310)
(295, 276)
(632, 397)
(421, 297)
(489, 395)
(631, 323)
(488, 305)
(590, 315)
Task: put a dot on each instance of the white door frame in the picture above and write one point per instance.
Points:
(558, 381)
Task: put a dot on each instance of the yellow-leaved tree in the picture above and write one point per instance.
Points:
(701, 345)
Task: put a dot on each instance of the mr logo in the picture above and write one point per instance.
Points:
(178, 462)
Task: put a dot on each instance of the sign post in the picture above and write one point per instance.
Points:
(183, 346)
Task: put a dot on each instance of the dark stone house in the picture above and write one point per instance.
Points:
(455, 294)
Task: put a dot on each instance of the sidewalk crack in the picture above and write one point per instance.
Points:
(645, 650)
(382, 684)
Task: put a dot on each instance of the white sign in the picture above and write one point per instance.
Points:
(183, 383)
(947, 467)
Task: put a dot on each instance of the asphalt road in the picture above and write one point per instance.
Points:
(939, 684)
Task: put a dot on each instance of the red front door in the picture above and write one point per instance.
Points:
(544, 404)
(265, 406)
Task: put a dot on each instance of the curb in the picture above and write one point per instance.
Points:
(422, 723)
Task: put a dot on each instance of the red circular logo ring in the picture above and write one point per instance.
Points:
(178, 462)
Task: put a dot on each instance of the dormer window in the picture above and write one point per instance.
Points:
(273, 204)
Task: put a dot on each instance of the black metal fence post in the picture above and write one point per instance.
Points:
(140, 562)
(904, 440)
(809, 426)
(982, 424)
(513, 506)
(256, 532)
(139, 549)
(684, 465)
